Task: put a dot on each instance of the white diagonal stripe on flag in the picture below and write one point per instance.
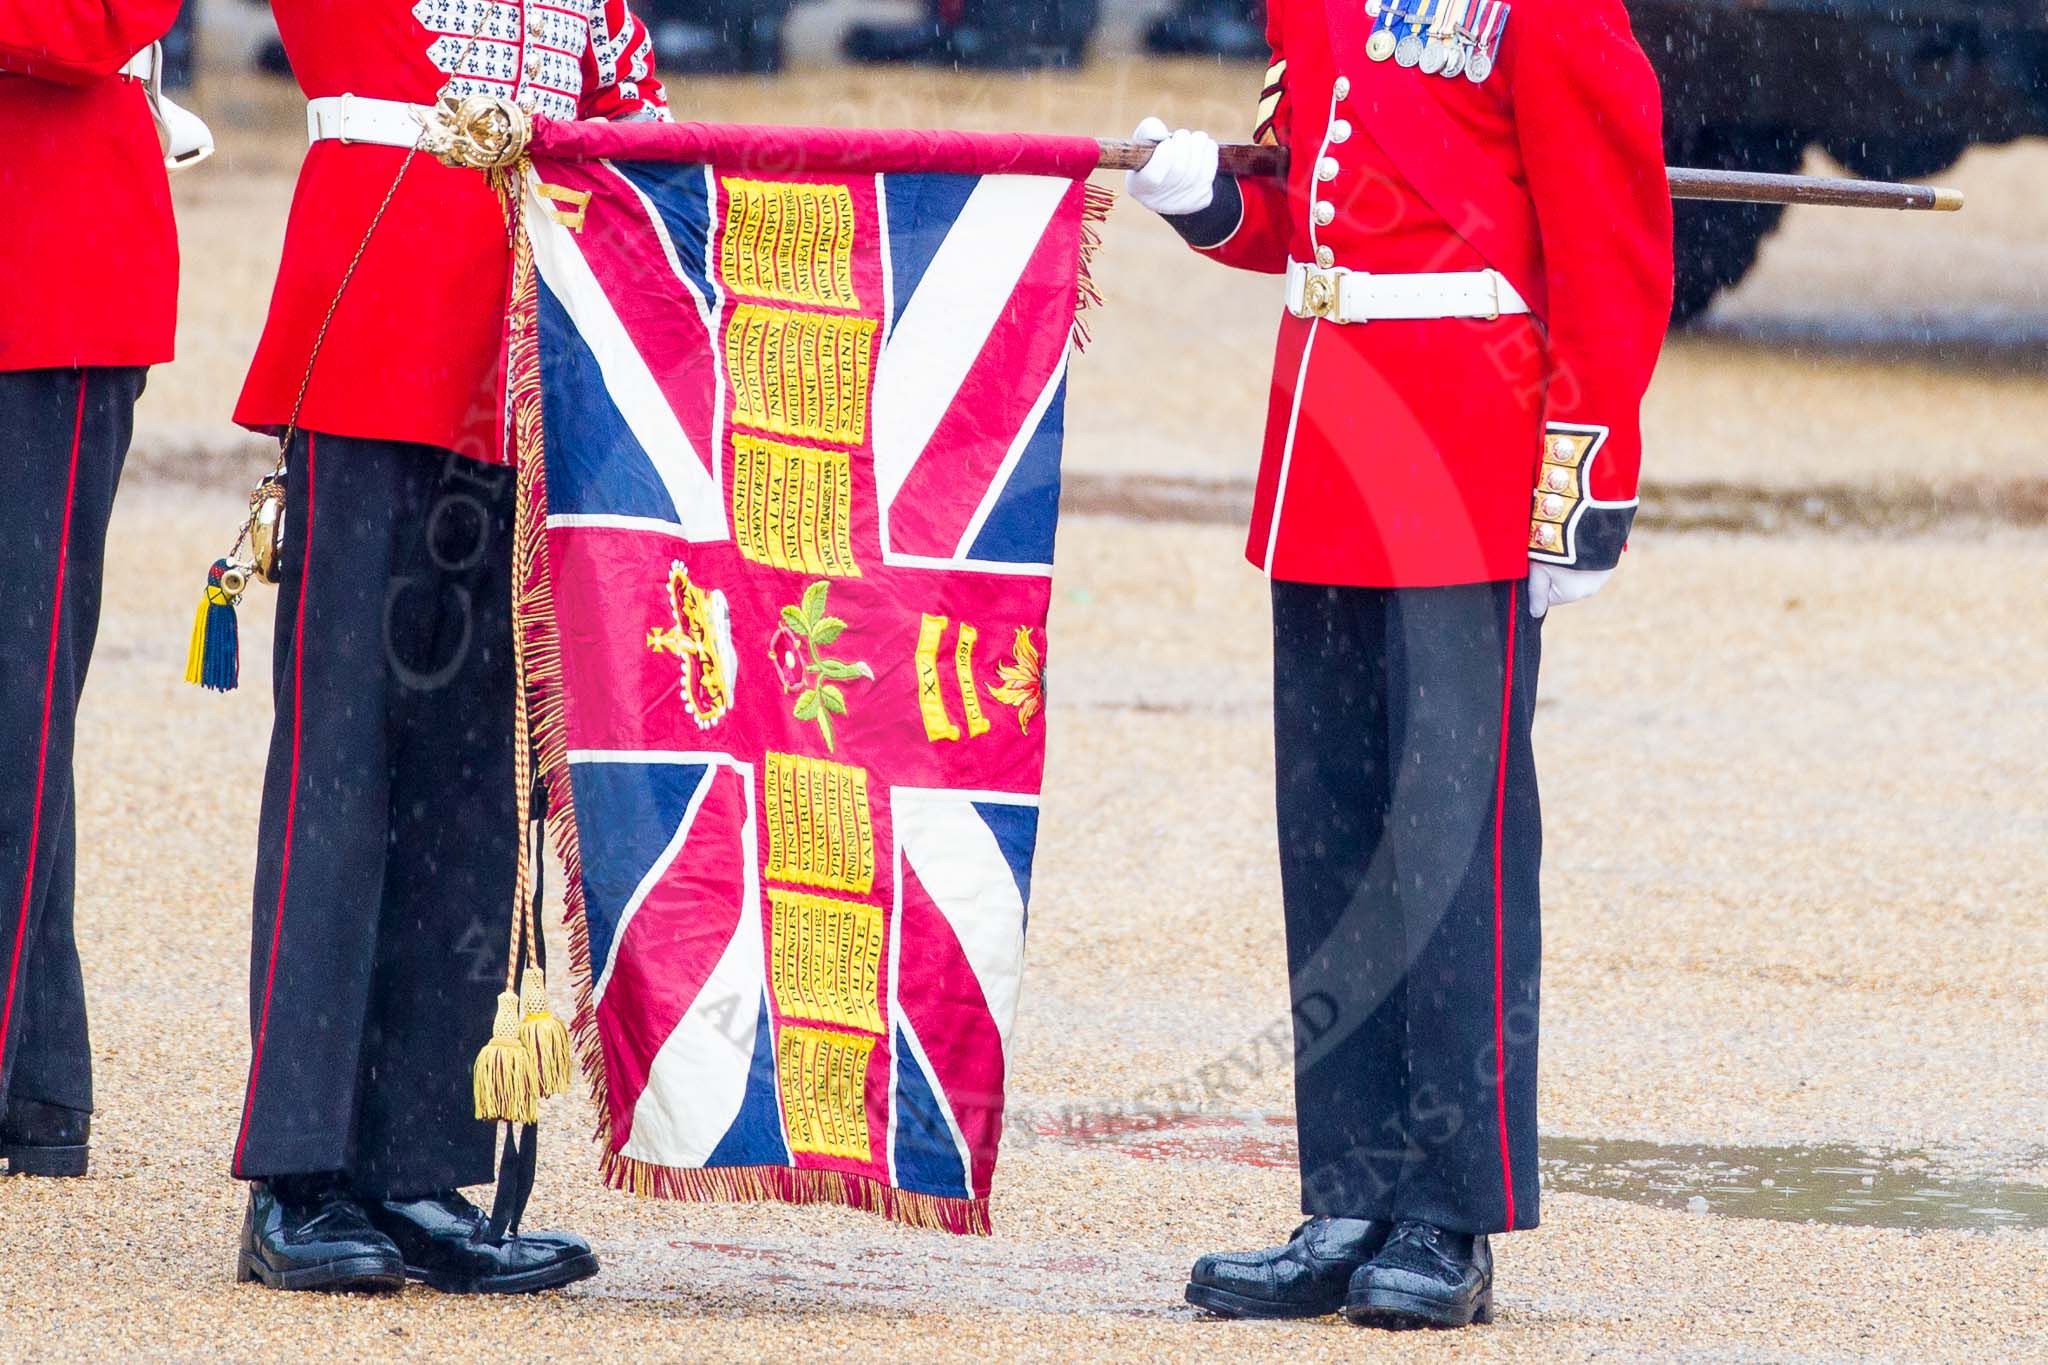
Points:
(1001, 483)
(647, 883)
(944, 326)
(963, 870)
(684, 472)
(698, 1080)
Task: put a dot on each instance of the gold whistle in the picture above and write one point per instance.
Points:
(266, 532)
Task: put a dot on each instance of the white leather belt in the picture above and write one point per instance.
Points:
(356, 118)
(1340, 295)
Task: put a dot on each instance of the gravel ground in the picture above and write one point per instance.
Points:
(1795, 894)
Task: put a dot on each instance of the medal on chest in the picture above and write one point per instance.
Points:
(1448, 38)
(1384, 14)
(1488, 19)
(1408, 51)
(1436, 37)
(1456, 49)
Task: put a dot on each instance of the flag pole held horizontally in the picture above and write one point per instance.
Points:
(1687, 182)
(857, 151)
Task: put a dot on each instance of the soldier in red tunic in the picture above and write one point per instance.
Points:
(1475, 239)
(88, 301)
(389, 832)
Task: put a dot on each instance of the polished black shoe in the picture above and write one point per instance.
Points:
(44, 1139)
(447, 1245)
(308, 1234)
(1304, 1279)
(1424, 1277)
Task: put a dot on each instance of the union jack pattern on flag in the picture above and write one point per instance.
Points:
(802, 439)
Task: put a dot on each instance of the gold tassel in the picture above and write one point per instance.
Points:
(507, 1075)
(528, 1055)
(544, 1035)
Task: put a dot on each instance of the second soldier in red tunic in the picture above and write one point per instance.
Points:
(1474, 240)
(389, 834)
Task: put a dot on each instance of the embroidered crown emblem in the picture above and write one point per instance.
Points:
(701, 636)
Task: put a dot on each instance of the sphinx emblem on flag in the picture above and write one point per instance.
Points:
(800, 436)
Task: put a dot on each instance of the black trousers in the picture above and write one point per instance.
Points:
(1410, 838)
(386, 853)
(63, 437)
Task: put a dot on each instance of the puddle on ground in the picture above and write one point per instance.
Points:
(1829, 1184)
(1819, 1184)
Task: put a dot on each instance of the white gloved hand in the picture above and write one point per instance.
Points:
(1180, 177)
(1550, 586)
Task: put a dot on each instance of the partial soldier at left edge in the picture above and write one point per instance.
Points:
(89, 272)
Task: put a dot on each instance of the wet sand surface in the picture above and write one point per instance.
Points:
(1796, 899)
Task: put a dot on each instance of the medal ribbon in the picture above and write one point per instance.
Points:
(1489, 31)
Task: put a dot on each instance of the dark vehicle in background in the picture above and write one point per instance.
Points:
(181, 48)
(1896, 90)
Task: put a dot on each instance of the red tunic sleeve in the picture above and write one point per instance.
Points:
(1589, 120)
(89, 260)
(618, 66)
(77, 42)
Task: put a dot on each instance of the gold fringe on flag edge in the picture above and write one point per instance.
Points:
(1096, 202)
(534, 605)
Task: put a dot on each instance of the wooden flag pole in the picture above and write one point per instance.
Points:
(1687, 182)
(1754, 187)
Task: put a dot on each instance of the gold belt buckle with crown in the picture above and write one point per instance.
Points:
(1319, 295)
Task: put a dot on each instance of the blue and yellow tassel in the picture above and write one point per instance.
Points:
(214, 660)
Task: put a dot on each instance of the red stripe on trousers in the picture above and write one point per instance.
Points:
(1500, 802)
(35, 824)
(291, 802)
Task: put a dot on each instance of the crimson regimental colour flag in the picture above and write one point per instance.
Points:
(800, 437)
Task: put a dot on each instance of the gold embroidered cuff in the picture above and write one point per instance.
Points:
(1568, 526)
(1560, 485)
